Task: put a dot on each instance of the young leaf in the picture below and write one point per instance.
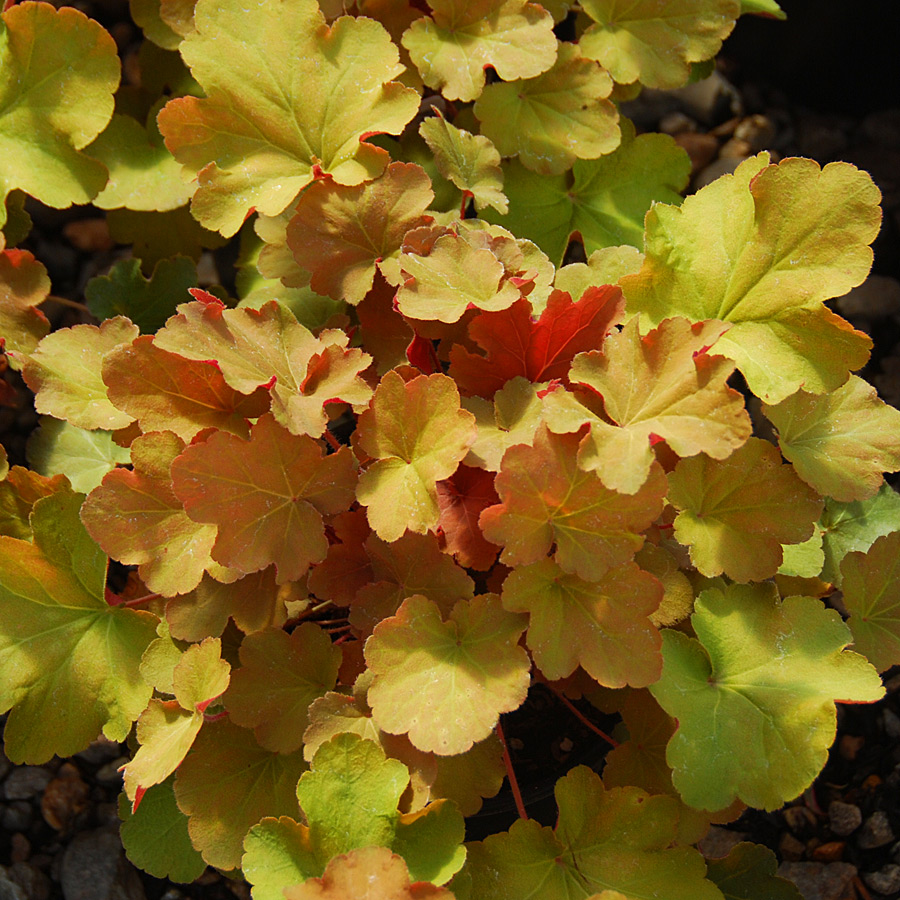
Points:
(762, 249)
(516, 345)
(604, 266)
(754, 695)
(470, 161)
(64, 373)
(607, 843)
(148, 302)
(604, 200)
(266, 495)
(270, 347)
(60, 638)
(280, 676)
(663, 385)
(156, 837)
(736, 513)
(641, 41)
(417, 434)
(260, 132)
(84, 457)
(137, 519)
(343, 234)
(452, 47)
(60, 71)
(227, 783)
(368, 872)
(548, 500)
(841, 442)
(602, 626)
(446, 682)
(554, 119)
(871, 586)
(166, 392)
(24, 284)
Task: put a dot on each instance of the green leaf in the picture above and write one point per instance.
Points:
(60, 70)
(64, 373)
(754, 695)
(840, 442)
(604, 200)
(60, 638)
(748, 873)
(417, 434)
(452, 47)
(143, 175)
(554, 119)
(280, 676)
(470, 161)
(445, 683)
(156, 836)
(762, 249)
(227, 783)
(266, 496)
(137, 519)
(856, 526)
(260, 131)
(768, 8)
(148, 302)
(639, 40)
(84, 457)
(602, 626)
(871, 587)
(735, 514)
(606, 844)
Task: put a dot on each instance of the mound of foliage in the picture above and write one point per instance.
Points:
(424, 459)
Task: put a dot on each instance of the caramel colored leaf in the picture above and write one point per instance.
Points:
(762, 249)
(643, 41)
(137, 519)
(602, 626)
(267, 496)
(260, 132)
(24, 284)
(735, 514)
(554, 119)
(547, 502)
(343, 234)
(417, 434)
(64, 373)
(452, 47)
(840, 442)
(462, 498)
(445, 683)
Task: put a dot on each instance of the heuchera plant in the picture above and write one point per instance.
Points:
(420, 462)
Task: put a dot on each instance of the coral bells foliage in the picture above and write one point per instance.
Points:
(415, 459)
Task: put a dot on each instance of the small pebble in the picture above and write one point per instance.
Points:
(109, 774)
(850, 745)
(32, 880)
(20, 847)
(876, 832)
(65, 797)
(844, 818)
(886, 880)
(676, 123)
(9, 890)
(819, 881)
(719, 842)
(16, 816)
(891, 719)
(830, 852)
(799, 818)
(25, 782)
(757, 131)
(790, 848)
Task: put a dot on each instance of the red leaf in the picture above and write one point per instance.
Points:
(462, 497)
(541, 350)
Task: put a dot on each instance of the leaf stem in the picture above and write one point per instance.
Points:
(64, 301)
(137, 601)
(511, 774)
(333, 442)
(581, 716)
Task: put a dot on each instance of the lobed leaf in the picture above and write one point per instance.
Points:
(60, 638)
(452, 47)
(554, 119)
(761, 249)
(261, 132)
(24, 284)
(462, 498)
(840, 443)
(445, 683)
(748, 873)
(735, 514)
(754, 695)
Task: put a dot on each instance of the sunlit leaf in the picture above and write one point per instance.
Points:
(24, 284)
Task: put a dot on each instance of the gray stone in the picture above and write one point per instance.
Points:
(844, 818)
(714, 170)
(719, 842)
(16, 816)
(9, 890)
(25, 782)
(886, 880)
(32, 880)
(819, 881)
(876, 832)
(891, 723)
(878, 297)
(94, 867)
